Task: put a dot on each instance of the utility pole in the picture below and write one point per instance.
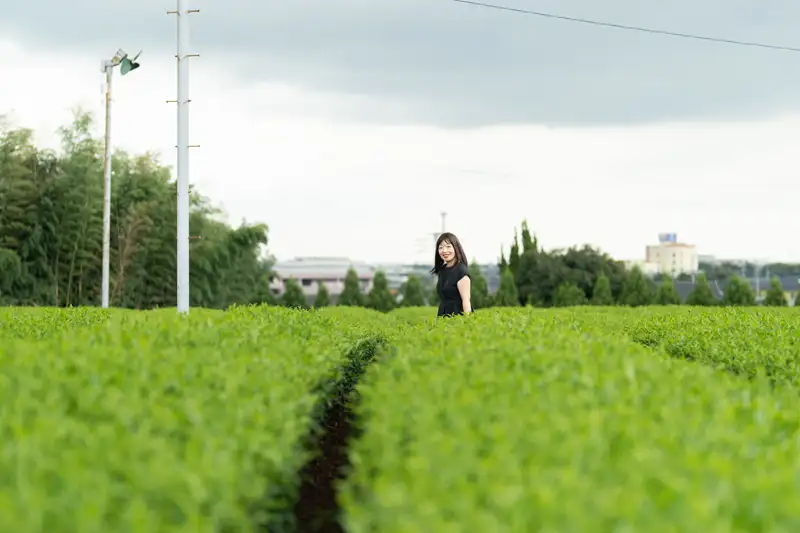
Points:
(126, 65)
(108, 69)
(436, 235)
(182, 146)
(757, 268)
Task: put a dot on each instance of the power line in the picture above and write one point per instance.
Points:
(630, 28)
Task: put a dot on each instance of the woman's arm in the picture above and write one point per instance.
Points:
(464, 286)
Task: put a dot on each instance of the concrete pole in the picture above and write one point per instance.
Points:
(109, 69)
(183, 156)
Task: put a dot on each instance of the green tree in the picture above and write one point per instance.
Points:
(738, 292)
(351, 294)
(479, 287)
(380, 297)
(514, 256)
(51, 221)
(797, 300)
(502, 264)
(10, 270)
(637, 290)
(540, 273)
(601, 294)
(262, 294)
(522, 262)
(323, 298)
(666, 293)
(775, 295)
(569, 294)
(701, 294)
(507, 295)
(293, 294)
(433, 295)
(413, 292)
(529, 242)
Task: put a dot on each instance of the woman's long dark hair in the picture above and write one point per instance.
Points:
(438, 262)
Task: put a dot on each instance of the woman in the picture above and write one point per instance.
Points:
(453, 287)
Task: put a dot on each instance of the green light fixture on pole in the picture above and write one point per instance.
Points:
(126, 65)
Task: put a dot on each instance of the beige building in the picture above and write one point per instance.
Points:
(310, 271)
(649, 269)
(670, 257)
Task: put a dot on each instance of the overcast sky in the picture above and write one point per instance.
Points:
(348, 125)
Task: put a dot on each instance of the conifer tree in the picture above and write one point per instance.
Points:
(513, 256)
(502, 264)
(775, 295)
(529, 242)
(738, 292)
(380, 297)
(293, 295)
(601, 294)
(479, 292)
(636, 290)
(323, 298)
(701, 294)
(351, 294)
(413, 292)
(666, 293)
(507, 295)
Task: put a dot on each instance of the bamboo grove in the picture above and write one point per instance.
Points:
(51, 230)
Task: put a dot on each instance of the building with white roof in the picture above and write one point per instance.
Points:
(311, 271)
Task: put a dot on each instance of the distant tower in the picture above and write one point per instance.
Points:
(444, 217)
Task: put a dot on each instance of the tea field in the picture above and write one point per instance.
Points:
(255, 419)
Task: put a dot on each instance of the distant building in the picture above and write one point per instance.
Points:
(648, 269)
(670, 257)
(398, 274)
(311, 271)
(685, 288)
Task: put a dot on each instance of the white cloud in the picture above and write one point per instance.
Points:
(329, 185)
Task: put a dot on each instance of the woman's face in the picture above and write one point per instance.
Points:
(446, 251)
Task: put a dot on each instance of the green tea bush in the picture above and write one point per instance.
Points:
(415, 315)
(37, 323)
(154, 422)
(514, 421)
(748, 342)
(745, 341)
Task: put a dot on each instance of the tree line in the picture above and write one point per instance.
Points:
(51, 230)
(587, 276)
(532, 276)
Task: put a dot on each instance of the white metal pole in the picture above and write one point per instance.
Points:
(109, 68)
(183, 156)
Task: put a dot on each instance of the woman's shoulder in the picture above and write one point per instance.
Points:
(462, 270)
